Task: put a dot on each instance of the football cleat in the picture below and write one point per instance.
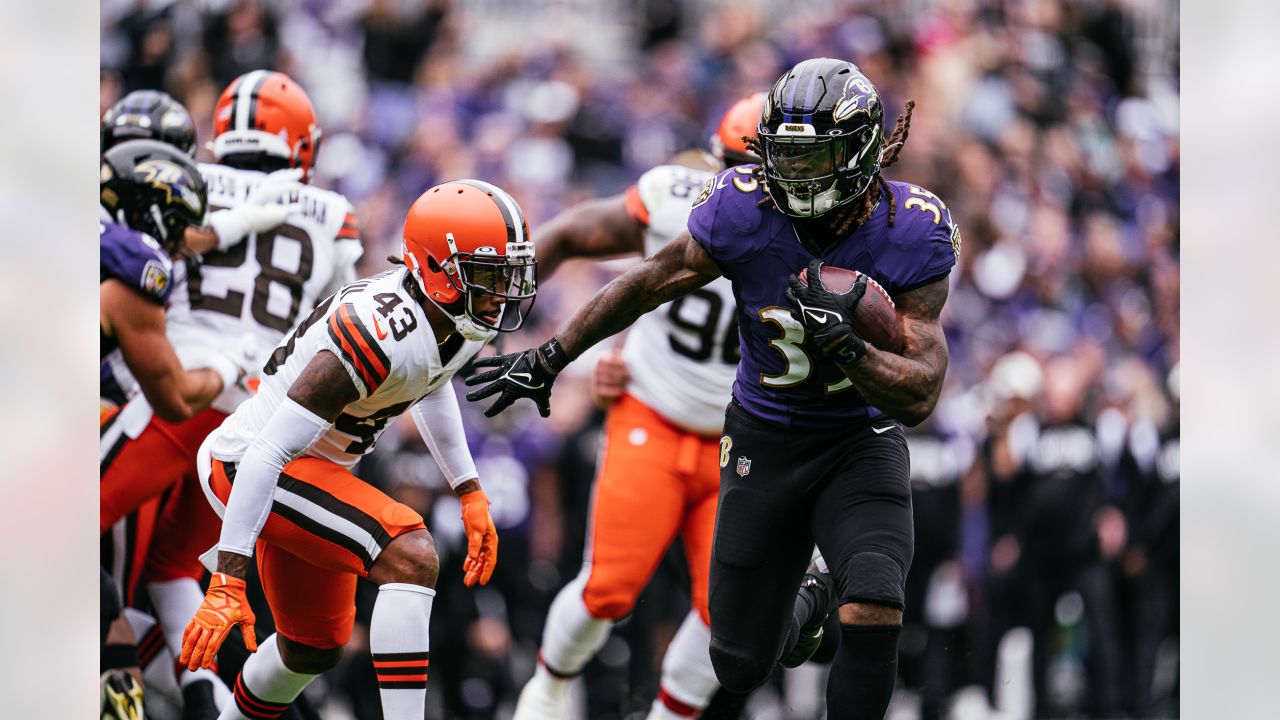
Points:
(821, 589)
(121, 696)
(545, 697)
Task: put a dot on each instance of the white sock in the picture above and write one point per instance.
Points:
(176, 602)
(265, 686)
(572, 636)
(400, 641)
(688, 678)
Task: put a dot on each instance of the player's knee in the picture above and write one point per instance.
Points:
(737, 670)
(607, 603)
(306, 659)
(862, 613)
(410, 558)
(876, 590)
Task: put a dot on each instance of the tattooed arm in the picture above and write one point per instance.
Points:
(315, 401)
(680, 267)
(906, 386)
(595, 229)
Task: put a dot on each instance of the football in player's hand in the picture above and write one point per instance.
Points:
(876, 318)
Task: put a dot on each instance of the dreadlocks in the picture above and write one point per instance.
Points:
(890, 149)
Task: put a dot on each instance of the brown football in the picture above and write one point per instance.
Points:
(876, 319)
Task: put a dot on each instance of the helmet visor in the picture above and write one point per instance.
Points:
(500, 290)
(804, 158)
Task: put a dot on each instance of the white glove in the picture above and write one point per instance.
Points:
(240, 365)
(260, 212)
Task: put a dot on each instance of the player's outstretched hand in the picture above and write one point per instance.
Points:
(525, 374)
(224, 607)
(828, 317)
(482, 539)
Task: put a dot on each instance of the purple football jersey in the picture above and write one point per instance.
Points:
(136, 260)
(781, 378)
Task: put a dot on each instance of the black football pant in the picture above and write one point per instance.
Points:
(782, 490)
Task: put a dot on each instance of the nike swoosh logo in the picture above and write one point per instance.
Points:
(722, 182)
(382, 335)
(818, 317)
(881, 430)
(524, 379)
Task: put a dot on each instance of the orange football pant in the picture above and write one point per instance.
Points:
(151, 480)
(326, 529)
(655, 480)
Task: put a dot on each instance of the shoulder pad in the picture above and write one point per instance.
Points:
(136, 260)
(732, 217)
(924, 239)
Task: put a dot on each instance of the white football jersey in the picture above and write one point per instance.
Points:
(264, 285)
(379, 331)
(683, 355)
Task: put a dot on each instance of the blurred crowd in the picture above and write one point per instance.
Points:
(1045, 580)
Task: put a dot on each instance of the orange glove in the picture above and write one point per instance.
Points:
(224, 607)
(482, 539)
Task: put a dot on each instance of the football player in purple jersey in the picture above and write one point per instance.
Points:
(813, 447)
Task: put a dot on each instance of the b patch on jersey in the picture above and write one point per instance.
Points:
(155, 278)
(955, 238)
(726, 444)
(708, 187)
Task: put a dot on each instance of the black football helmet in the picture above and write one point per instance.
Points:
(820, 135)
(149, 115)
(152, 187)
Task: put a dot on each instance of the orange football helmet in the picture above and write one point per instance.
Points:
(266, 112)
(741, 119)
(465, 239)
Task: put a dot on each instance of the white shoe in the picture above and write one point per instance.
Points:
(545, 697)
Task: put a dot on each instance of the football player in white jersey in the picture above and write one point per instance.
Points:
(659, 475)
(244, 296)
(279, 469)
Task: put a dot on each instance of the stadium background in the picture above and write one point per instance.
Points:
(1050, 128)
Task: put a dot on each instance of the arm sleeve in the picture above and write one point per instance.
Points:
(291, 431)
(440, 421)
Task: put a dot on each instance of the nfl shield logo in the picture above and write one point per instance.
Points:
(744, 466)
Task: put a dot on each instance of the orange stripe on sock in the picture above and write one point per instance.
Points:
(401, 663)
(402, 678)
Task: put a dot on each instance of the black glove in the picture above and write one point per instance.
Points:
(528, 373)
(827, 317)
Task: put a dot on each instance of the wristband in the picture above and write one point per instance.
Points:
(847, 350)
(552, 356)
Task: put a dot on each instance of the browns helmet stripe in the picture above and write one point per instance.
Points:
(506, 205)
(246, 107)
